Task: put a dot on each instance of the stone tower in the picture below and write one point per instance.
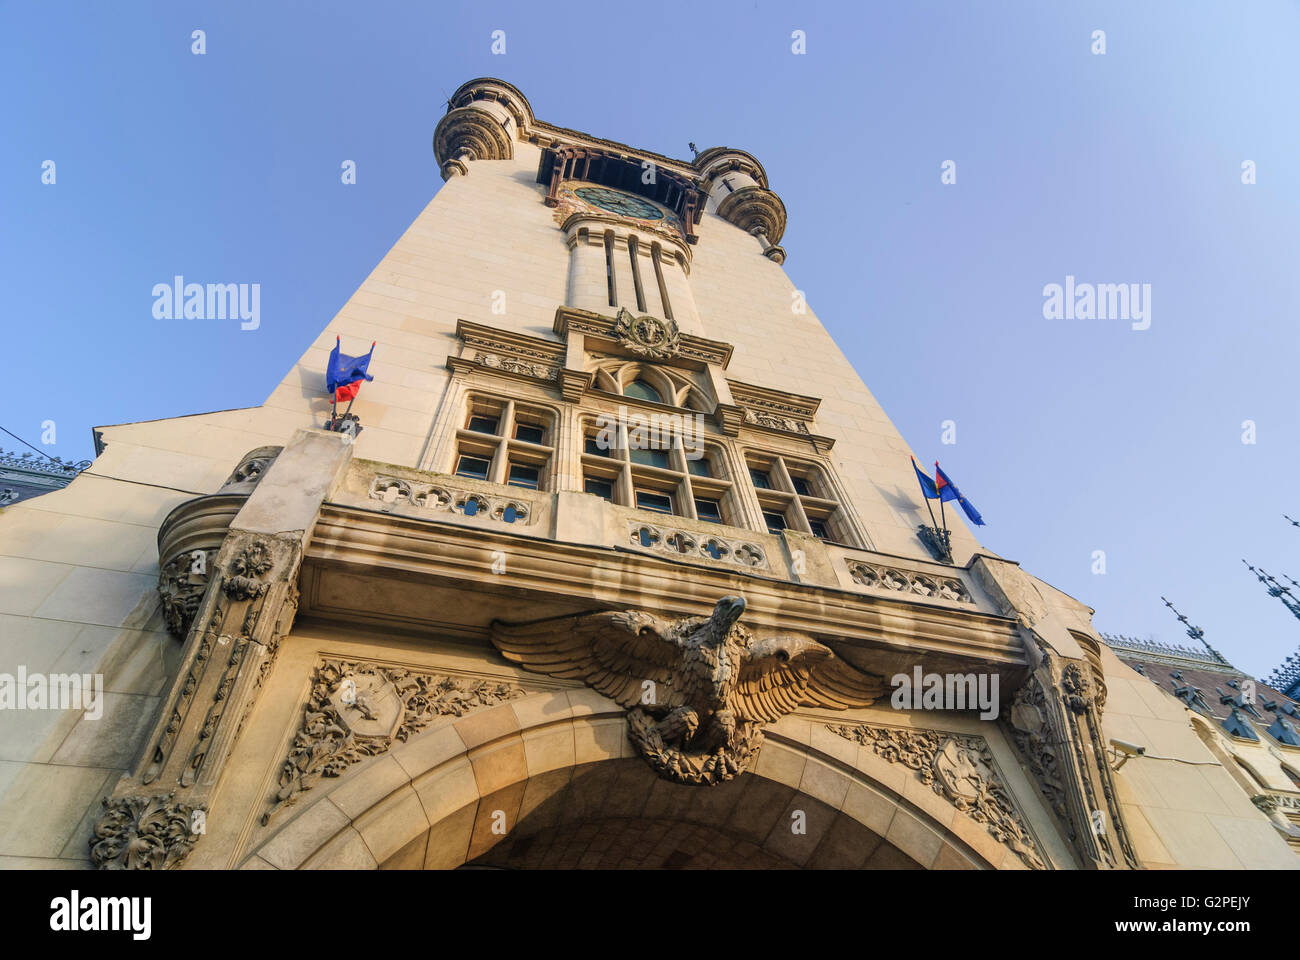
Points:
(621, 570)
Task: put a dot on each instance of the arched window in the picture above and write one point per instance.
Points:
(1253, 775)
(641, 390)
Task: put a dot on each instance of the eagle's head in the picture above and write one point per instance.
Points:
(725, 614)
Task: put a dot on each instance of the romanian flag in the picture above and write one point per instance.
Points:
(344, 374)
(947, 490)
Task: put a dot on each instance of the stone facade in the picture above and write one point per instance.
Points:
(301, 635)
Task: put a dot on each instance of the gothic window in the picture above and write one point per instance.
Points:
(653, 383)
(1251, 773)
(662, 472)
(795, 494)
(641, 390)
(505, 442)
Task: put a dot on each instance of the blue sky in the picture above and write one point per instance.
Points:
(1072, 435)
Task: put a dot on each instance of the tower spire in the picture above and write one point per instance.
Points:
(1195, 632)
(1276, 589)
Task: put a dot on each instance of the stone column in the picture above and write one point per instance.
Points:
(157, 813)
(1055, 722)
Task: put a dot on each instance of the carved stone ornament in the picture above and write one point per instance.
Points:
(144, 833)
(466, 134)
(524, 368)
(182, 581)
(699, 690)
(1055, 722)
(774, 421)
(251, 469)
(357, 710)
(247, 609)
(958, 768)
(647, 336)
(249, 568)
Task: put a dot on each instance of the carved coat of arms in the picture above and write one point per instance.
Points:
(699, 690)
(648, 336)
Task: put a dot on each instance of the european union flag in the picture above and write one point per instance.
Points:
(927, 485)
(344, 374)
(948, 491)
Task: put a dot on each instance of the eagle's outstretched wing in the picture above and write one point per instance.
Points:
(780, 674)
(614, 653)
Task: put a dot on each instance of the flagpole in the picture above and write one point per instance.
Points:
(930, 508)
(940, 492)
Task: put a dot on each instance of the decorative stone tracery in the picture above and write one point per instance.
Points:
(435, 497)
(357, 709)
(875, 576)
(698, 546)
(960, 769)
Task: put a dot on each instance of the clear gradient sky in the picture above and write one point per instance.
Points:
(1072, 435)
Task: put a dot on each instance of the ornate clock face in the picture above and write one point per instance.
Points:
(616, 201)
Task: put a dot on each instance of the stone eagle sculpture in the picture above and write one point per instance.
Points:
(698, 689)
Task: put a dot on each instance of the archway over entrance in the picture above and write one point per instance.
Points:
(551, 780)
(618, 814)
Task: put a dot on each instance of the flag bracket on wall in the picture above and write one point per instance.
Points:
(937, 541)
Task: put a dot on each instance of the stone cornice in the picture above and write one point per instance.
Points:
(508, 341)
(792, 405)
(506, 352)
(388, 546)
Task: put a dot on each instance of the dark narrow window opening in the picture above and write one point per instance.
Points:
(636, 274)
(609, 270)
(775, 521)
(476, 467)
(708, 510)
(658, 502)
(663, 288)
(521, 476)
(601, 488)
(529, 434)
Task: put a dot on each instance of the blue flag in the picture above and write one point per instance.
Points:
(344, 373)
(948, 491)
(927, 485)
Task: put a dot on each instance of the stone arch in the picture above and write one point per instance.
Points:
(560, 760)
